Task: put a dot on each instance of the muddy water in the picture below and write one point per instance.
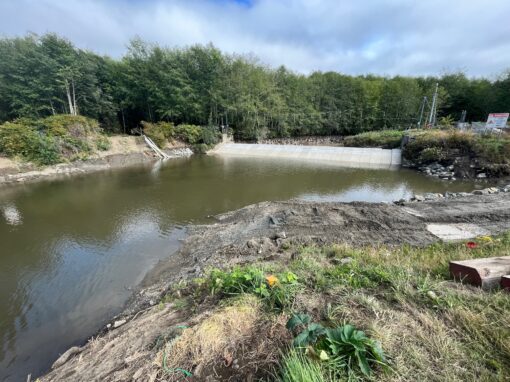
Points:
(72, 250)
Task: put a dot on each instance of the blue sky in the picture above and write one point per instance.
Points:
(388, 37)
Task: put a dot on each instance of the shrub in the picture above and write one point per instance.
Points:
(52, 139)
(191, 134)
(436, 145)
(103, 143)
(209, 135)
(159, 132)
(432, 154)
(17, 139)
(388, 139)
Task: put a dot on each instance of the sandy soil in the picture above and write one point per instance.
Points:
(259, 232)
(124, 151)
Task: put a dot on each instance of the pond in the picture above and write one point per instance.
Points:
(72, 250)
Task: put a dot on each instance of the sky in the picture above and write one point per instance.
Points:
(385, 37)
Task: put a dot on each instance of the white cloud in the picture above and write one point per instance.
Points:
(350, 36)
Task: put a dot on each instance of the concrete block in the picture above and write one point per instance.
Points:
(505, 282)
(485, 273)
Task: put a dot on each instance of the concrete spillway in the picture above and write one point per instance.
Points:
(342, 156)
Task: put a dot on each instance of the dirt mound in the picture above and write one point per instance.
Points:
(262, 231)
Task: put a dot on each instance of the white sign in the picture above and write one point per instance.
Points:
(497, 120)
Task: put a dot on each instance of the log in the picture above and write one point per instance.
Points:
(485, 273)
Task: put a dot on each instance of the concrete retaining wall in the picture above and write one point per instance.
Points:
(343, 156)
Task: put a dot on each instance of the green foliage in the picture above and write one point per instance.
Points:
(446, 122)
(191, 134)
(277, 290)
(387, 139)
(432, 145)
(352, 349)
(209, 135)
(16, 139)
(159, 132)
(432, 154)
(201, 86)
(343, 347)
(297, 367)
(51, 140)
(102, 143)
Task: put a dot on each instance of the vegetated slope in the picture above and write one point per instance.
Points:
(58, 138)
(329, 264)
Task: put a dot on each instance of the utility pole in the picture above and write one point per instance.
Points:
(432, 117)
(422, 109)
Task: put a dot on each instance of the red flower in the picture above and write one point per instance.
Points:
(471, 244)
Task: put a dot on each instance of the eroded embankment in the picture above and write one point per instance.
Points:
(124, 151)
(130, 348)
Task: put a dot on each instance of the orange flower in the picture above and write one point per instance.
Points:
(272, 280)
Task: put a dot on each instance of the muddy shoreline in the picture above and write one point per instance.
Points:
(24, 173)
(121, 350)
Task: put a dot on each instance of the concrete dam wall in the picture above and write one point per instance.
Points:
(342, 156)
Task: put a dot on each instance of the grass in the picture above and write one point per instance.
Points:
(387, 139)
(430, 328)
(297, 367)
(439, 145)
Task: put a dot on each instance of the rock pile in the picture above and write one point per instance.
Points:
(436, 196)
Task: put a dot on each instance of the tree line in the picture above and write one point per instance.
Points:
(46, 75)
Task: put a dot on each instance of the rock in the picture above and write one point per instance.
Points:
(480, 192)
(432, 295)
(481, 175)
(492, 190)
(65, 357)
(273, 221)
(152, 302)
(346, 260)
(281, 235)
(118, 323)
(419, 198)
(252, 243)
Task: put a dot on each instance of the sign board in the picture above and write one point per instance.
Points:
(497, 120)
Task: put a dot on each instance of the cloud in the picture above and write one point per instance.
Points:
(388, 37)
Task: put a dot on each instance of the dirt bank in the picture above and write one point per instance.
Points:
(124, 151)
(129, 349)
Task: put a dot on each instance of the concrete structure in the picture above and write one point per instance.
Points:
(485, 273)
(343, 156)
(505, 282)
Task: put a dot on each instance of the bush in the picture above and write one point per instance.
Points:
(159, 132)
(432, 154)
(388, 139)
(52, 139)
(191, 134)
(17, 139)
(103, 143)
(437, 145)
(209, 135)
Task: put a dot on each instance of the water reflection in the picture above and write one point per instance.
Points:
(11, 214)
(71, 249)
